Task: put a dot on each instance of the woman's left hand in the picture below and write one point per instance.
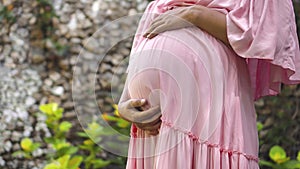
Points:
(173, 19)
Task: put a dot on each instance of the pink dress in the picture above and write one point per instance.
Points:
(206, 90)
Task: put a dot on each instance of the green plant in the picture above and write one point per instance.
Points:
(59, 128)
(95, 132)
(28, 147)
(117, 122)
(280, 159)
(65, 162)
(6, 14)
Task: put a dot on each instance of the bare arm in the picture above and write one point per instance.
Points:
(211, 21)
(207, 19)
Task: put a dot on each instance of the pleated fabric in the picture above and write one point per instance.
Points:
(206, 90)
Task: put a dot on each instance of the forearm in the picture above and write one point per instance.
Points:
(211, 21)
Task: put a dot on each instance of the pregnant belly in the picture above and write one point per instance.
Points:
(182, 72)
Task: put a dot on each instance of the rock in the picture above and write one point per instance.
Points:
(91, 44)
(67, 8)
(7, 2)
(32, 20)
(72, 25)
(29, 101)
(63, 29)
(54, 76)
(23, 32)
(64, 18)
(37, 59)
(16, 136)
(64, 64)
(16, 147)
(86, 23)
(125, 51)
(70, 114)
(76, 40)
(38, 152)
(132, 12)
(48, 82)
(68, 105)
(57, 90)
(7, 146)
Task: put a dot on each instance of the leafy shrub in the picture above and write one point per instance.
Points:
(280, 160)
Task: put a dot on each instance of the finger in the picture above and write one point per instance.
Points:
(149, 127)
(147, 116)
(152, 132)
(152, 27)
(133, 103)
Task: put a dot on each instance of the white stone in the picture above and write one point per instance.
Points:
(32, 20)
(72, 25)
(22, 114)
(38, 152)
(29, 101)
(7, 146)
(132, 12)
(2, 162)
(80, 15)
(57, 90)
(15, 136)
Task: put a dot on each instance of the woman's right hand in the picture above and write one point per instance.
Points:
(133, 110)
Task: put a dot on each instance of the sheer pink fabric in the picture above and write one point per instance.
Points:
(206, 90)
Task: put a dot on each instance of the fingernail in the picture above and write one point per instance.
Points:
(143, 101)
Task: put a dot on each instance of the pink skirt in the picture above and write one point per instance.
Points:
(203, 89)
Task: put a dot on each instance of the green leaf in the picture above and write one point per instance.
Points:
(35, 146)
(75, 162)
(54, 165)
(298, 156)
(94, 126)
(292, 164)
(82, 134)
(278, 154)
(49, 108)
(99, 163)
(67, 150)
(65, 126)
(58, 113)
(26, 144)
(266, 163)
(18, 153)
(64, 160)
(260, 126)
(122, 123)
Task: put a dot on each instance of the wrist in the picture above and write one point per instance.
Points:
(197, 15)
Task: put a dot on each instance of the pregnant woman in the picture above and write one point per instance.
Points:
(195, 69)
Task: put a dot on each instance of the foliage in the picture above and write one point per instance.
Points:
(58, 141)
(65, 162)
(95, 131)
(65, 155)
(280, 159)
(6, 14)
(28, 147)
(94, 134)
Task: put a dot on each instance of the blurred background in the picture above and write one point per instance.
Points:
(40, 41)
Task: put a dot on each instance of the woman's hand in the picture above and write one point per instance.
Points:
(173, 19)
(209, 20)
(133, 110)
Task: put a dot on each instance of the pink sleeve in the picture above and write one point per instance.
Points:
(264, 32)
